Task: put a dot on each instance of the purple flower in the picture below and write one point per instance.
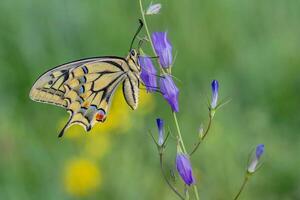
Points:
(215, 89)
(256, 158)
(160, 126)
(148, 73)
(163, 48)
(169, 91)
(184, 168)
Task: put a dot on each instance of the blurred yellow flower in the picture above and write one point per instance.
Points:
(96, 145)
(147, 103)
(81, 177)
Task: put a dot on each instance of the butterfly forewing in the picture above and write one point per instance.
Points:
(84, 88)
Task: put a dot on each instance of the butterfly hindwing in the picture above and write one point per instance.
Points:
(131, 90)
(92, 105)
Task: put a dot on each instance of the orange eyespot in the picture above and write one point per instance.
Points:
(100, 116)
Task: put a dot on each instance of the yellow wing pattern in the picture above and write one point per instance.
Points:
(131, 90)
(84, 88)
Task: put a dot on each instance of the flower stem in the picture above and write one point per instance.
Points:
(146, 26)
(242, 187)
(204, 135)
(148, 34)
(179, 133)
(184, 150)
(166, 179)
(174, 114)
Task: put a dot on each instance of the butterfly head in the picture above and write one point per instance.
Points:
(132, 60)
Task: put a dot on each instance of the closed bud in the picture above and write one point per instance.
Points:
(153, 9)
(255, 158)
(201, 131)
(160, 126)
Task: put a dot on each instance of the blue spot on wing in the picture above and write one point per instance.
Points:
(82, 80)
(81, 89)
(85, 69)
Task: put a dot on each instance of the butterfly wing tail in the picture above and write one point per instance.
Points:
(61, 133)
(77, 118)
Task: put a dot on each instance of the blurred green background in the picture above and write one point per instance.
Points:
(251, 47)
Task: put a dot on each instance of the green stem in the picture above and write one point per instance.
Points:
(242, 187)
(184, 150)
(202, 138)
(148, 34)
(146, 27)
(166, 179)
(174, 114)
(179, 133)
(196, 192)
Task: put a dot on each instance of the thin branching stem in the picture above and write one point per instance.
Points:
(242, 187)
(179, 133)
(184, 150)
(166, 179)
(203, 137)
(148, 34)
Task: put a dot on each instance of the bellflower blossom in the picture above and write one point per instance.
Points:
(148, 74)
(153, 9)
(184, 168)
(256, 158)
(215, 90)
(169, 91)
(163, 48)
(160, 126)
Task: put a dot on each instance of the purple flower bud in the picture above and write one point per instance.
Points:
(252, 167)
(184, 168)
(259, 150)
(148, 74)
(163, 48)
(215, 89)
(160, 126)
(169, 91)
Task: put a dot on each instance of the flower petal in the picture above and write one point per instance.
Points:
(170, 91)
(215, 90)
(148, 74)
(184, 168)
(163, 48)
(160, 126)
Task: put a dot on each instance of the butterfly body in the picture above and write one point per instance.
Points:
(85, 87)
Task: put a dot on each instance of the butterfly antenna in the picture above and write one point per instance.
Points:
(136, 33)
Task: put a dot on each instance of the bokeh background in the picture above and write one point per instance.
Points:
(251, 47)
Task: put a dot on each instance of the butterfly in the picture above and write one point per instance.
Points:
(85, 87)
